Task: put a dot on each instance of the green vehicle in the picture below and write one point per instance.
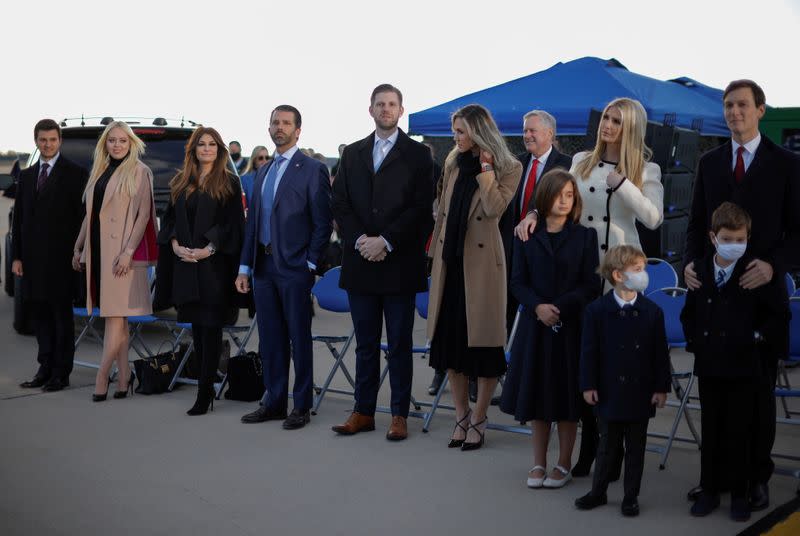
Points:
(782, 125)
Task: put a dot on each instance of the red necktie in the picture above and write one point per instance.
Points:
(738, 171)
(529, 189)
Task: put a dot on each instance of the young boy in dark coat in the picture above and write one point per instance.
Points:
(733, 333)
(624, 372)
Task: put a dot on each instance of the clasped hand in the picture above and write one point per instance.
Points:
(372, 248)
(548, 314)
(188, 254)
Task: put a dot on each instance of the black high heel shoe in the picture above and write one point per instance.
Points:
(477, 444)
(456, 443)
(123, 394)
(99, 398)
(205, 397)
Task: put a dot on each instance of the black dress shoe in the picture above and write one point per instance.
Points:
(740, 509)
(297, 419)
(55, 384)
(759, 497)
(263, 414)
(705, 504)
(630, 507)
(36, 382)
(694, 493)
(591, 501)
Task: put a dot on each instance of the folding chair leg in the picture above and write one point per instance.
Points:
(784, 377)
(435, 405)
(338, 356)
(676, 421)
(181, 365)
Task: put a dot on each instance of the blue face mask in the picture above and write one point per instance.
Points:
(730, 252)
(636, 281)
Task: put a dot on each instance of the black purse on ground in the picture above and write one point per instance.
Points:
(155, 373)
(245, 378)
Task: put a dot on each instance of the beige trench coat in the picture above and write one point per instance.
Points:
(123, 220)
(484, 257)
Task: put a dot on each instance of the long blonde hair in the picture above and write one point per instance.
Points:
(251, 164)
(126, 170)
(482, 129)
(634, 154)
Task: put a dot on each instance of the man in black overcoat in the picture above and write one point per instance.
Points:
(48, 212)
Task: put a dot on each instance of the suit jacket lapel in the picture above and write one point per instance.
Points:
(113, 184)
(292, 167)
(258, 185)
(51, 178)
(395, 151)
(758, 161)
(365, 151)
(551, 161)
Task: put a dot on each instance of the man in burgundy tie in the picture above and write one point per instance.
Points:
(48, 211)
(764, 179)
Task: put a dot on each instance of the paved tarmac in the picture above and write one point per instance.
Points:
(142, 466)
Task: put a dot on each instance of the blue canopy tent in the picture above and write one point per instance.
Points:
(570, 90)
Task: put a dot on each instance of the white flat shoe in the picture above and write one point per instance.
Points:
(552, 483)
(536, 483)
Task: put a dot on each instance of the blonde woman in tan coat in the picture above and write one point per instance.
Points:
(467, 309)
(116, 245)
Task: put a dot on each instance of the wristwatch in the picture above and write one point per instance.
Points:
(486, 166)
(211, 248)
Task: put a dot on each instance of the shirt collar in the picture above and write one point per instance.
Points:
(51, 162)
(750, 146)
(728, 271)
(621, 302)
(543, 159)
(391, 139)
(289, 153)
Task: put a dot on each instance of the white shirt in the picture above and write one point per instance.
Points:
(749, 151)
(542, 163)
(51, 163)
(379, 151)
(726, 271)
(622, 303)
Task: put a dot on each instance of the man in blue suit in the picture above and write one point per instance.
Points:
(288, 228)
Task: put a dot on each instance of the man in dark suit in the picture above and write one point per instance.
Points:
(763, 179)
(382, 204)
(48, 212)
(286, 235)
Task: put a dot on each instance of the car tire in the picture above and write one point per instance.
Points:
(23, 316)
(8, 277)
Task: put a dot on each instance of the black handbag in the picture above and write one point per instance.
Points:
(155, 373)
(245, 378)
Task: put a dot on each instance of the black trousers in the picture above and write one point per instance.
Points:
(728, 408)
(762, 435)
(54, 327)
(612, 436)
(589, 438)
(207, 348)
(368, 311)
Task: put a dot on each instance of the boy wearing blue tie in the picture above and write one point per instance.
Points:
(734, 333)
(624, 372)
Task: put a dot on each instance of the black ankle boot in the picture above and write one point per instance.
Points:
(205, 397)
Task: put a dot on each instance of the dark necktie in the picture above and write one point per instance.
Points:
(42, 177)
(739, 169)
(526, 198)
(721, 279)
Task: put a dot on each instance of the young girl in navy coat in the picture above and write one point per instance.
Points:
(554, 278)
(624, 372)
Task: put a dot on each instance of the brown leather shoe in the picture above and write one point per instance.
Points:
(356, 423)
(398, 430)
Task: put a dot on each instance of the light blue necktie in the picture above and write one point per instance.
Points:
(379, 153)
(267, 199)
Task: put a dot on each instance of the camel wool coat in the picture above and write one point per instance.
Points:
(123, 220)
(484, 256)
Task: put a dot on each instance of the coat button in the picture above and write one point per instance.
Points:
(113, 219)
(609, 190)
(480, 245)
(113, 236)
(636, 347)
(599, 164)
(605, 218)
(374, 210)
(479, 218)
(590, 218)
(721, 333)
(604, 247)
(591, 189)
(705, 334)
(709, 300)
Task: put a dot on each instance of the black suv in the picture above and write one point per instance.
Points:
(165, 141)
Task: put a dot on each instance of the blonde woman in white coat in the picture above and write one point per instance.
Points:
(616, 182)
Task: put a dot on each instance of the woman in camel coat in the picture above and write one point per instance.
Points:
(116, 245)
(466, 314)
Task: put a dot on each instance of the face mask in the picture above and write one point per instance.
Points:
(236, 156)
(731, 252)
(637, 281)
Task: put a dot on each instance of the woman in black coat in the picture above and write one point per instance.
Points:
(203, 228)
(553, 277)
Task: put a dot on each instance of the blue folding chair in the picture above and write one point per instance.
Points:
(331, 297)
(671, 301)
(784, 388)
(791, 288)
(661, 275)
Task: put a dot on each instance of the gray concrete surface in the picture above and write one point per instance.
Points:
(142, 466)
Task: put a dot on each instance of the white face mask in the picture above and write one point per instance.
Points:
(730, 252)
(636, 281)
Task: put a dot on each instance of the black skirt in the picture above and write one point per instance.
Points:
(449, 348)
